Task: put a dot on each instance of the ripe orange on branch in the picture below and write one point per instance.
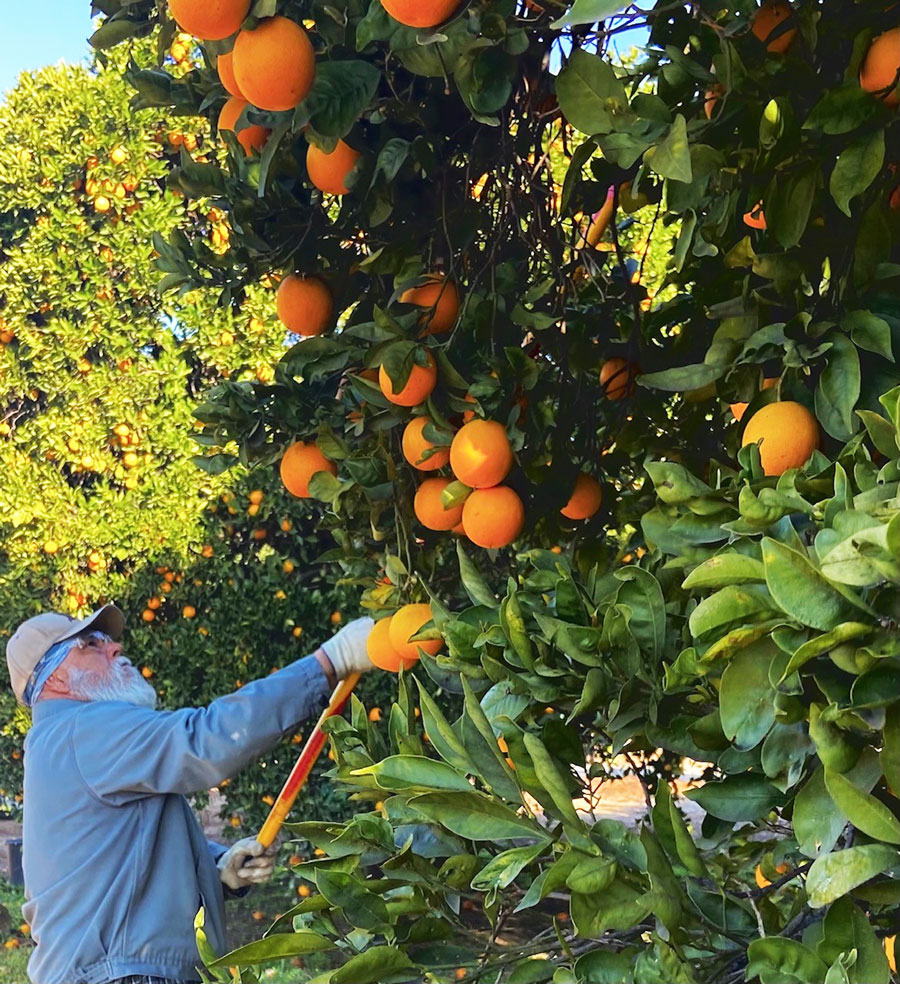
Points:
(417, 388)
(407, 622)
(480, 455)
(429, 508)
(420, 13)
(251, 137)
(305, 305)
(787, 434)
(381, 651)
(617, 378)
(879, 69)
(298, 465)
(225, 68)
(767, 20)
(329, 172)
(415, 444)
(274, 64)
(494, 517)
(586, 498)
(440, 299)
(210, 20)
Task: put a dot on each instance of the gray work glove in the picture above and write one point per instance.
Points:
(246, 863)
(347, 648)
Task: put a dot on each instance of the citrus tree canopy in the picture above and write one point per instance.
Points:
(579, 271)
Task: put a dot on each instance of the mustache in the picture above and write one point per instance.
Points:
(121, 682)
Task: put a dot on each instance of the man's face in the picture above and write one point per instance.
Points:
(95, 669)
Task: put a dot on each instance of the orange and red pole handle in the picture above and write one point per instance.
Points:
(300, 773)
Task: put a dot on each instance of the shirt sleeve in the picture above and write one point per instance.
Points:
(125, 752)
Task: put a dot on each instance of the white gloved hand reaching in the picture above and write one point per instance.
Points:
(246, 863)
(347, 648)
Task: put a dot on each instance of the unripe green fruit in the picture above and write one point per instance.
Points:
(835, 748)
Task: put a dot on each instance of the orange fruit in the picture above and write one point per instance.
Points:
(756, 217)
(879, 69)
(298, 465)
(252, 136)
(274, 64)
(381, 651)
(440, 299)
(415, 445)
(305, 305)
(493, 517)
(328, 172)
(712, 97)
(739, 409)
(102, 204)
(303, 891)
(480, 455)
(890, 943)
(407, 622)
(417, 388)
(767, 19)
(209, 20)
(375, 714)
(761, 879)
(420, 13)
(188, 611)
(617, 378)
(148, 615)
(788, 433)
(154, 602)
(469, 414)
(225, 68)
(429, 509)
(118, 155)
(585, 499)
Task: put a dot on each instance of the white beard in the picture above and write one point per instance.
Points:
(122, 682)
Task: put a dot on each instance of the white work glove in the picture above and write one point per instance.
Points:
(246, 863)
(347, 649)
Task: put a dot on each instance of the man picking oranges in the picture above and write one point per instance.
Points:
(116, 865)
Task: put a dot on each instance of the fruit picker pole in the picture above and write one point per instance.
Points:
(300, 773)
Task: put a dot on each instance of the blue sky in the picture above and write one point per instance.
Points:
(42, 32)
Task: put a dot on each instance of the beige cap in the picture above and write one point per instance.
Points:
(36, 635)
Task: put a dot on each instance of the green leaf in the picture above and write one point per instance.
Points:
(375, 964)
(404, 772)
(475, 585)
(724, 569)
(823, 643)
(846, 929)
(348, 893)
(868, 331)
(739, 797)
(841, 110)
(789, 204)
(890, 750)
(589, 93)
(672, 158)
(835, 875)
(856, 169)
(674, 484)
(747, 699)
(441, 735)
(776, 960)
(340, 93)
(550, 777)
(838, 389)
(817, 820)
(481, 744)
(476, 817)
(618, 908)
(115, 30)
(276, 947)
(863, 810)
(503, 869)
(588, 12)
(802, 591)
(682, 378)
(730, 607)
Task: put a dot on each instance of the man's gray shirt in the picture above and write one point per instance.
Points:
(116, 865)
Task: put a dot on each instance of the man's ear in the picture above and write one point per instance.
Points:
(58, 682)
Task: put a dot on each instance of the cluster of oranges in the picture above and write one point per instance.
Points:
(108, 193)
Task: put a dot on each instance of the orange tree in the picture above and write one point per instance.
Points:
(101, 496)
(732, 599)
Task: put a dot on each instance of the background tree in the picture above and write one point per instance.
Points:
(757, 632)
(101, 496)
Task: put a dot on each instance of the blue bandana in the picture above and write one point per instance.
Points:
(42, 672)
